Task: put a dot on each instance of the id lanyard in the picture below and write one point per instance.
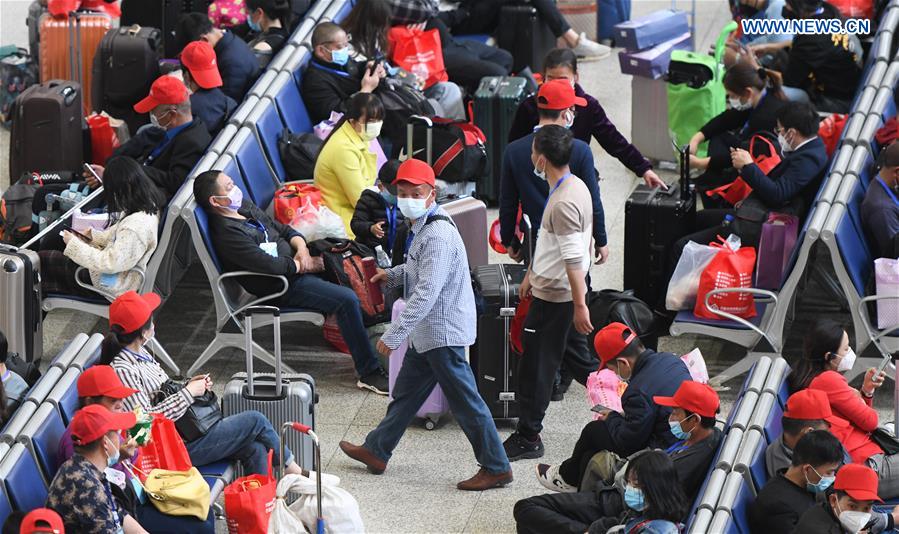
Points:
(889, 191)
(259, 226)
(391, 226)
(676, 448)
(340, 73)
(139, 357)
(553, 190)
(112, 507)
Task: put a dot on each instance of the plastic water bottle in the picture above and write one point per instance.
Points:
(383, 258)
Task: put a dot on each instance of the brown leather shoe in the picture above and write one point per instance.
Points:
(361, 454)
(485, 481)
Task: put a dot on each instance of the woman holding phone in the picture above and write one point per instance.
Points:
(247, 436)
(111, 255)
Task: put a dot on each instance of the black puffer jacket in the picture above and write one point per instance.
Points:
(370, 209)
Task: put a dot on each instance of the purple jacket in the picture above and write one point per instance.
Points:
(589, 121)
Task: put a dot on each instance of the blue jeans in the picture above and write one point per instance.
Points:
(418, 375)
(246, 436)
(608, 14)
(312, 293)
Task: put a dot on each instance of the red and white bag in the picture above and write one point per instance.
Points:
(732, 267)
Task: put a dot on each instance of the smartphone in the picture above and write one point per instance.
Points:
(91, 170)
(599, 408)
(371, 69)
(76, 232)
(884, 363)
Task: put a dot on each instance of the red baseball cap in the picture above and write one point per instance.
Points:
(416, 172)
(558, 94)
(42, 520)
(611, 340)
(858, 481)
(694, 397)
(131, 311)
(102, 381)
(92, 422)
(165, 90)
(811, 404)
(199, 58)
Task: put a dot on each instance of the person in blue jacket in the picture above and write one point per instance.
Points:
(557, 104)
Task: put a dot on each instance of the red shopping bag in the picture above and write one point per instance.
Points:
(728, 269)
(249, 502)
(103, 138)
(830, 130)
(332, 335)
(765, 155)
(165, 450)
(516, 329)
(290, 197)
(419, 52)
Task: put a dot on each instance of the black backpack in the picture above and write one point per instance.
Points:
(611, 306)
(401, 101)
(298, 154)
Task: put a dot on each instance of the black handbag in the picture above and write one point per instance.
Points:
(203, 414)
(885, 441)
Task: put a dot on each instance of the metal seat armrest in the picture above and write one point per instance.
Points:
(219, 286)
(766, 296)
(103, 293)
(875, 333)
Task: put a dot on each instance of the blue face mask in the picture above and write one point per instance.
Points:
(253, 24)
(341, 56)
(388, 197)
(677, 430)
(633, 498)
(112, 459)
(822, 484)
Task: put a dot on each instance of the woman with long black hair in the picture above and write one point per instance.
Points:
(270, 22)
(110, 255)
(653, 495)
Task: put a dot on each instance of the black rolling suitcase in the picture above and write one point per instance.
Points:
(125, 66)
(493, 362)
(524, 34)
(47, 129)
(653, 220)
(162, 14)
(495, 103)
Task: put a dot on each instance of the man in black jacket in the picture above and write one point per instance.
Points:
(694, 406)
(236, 62)
(202, 77)
(249, 240)
(169, 151)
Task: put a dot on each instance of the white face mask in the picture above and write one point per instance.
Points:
(569, 118)
(847, 362)
(737, 104)
(540, 174)
(413, 208)
(854, 521)
(372, 130)
(784, 144)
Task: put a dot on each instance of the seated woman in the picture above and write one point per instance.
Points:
(270, 22)
(109, 255)
(345, 165)
(754, 102)
(247, 436)
(80, 492)
(826, 356)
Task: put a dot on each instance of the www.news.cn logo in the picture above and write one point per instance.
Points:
(805, 26)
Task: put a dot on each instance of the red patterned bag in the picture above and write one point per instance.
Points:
(728, 269)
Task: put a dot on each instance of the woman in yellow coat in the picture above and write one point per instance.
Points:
(345, 166)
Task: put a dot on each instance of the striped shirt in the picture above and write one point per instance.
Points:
(141, 372)
(440, 309)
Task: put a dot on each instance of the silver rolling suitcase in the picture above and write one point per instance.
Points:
(20, 291)
(280, 397)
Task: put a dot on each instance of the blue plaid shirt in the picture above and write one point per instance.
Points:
(440, 309)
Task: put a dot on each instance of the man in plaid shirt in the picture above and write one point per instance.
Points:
(439, 321)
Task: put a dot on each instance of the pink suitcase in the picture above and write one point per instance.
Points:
(436, 405)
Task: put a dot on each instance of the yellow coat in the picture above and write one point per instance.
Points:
(345, 167)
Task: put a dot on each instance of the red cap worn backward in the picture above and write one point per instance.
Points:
(102, 381)
(165, 90)
(416, 172)
(611, 340)
(93, 422)
(558, 94)
(199, 58)
(858, 481)
(693, 397)
(131, 311)
(42, 520)
(811, 405)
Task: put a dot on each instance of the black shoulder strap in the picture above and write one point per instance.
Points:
(433, 218)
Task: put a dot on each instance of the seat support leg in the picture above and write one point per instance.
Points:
(737, 369)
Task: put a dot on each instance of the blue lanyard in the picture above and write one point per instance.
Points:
(391, 226)
(112, 505)
(553, 190)
(259, 226)
(139, 357)
(889, 191)
(340, 73)
(676, 448)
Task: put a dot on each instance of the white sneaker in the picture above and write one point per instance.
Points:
(590, 50)
(548, 476)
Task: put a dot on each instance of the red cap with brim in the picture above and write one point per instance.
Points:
(102, 381)
(858, 481)
(811, 405)
(166, 90)
(130, 311)
(693, 397)
(558, 94)
(611, 340)
(416, 172)
(41, 520)
(94, 421)
(199, 58)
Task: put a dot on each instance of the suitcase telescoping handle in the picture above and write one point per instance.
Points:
(317, 465)
(683, 156)
(248, 332)
(429, 136)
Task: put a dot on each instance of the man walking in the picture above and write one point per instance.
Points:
(439, 322)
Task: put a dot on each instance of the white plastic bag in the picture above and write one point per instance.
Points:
(82, 221)
(318, 223)
(339, 507)
(886, 274)
(696, 365)
(685, 281)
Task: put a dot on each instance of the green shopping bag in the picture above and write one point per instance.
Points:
(695, 90)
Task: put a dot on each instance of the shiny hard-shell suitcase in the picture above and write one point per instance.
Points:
(470, 216)
(20, 290)
(436, 405)
(281, 397)
(495, 103)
